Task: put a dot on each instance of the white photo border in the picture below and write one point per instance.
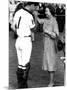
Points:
(4, 43)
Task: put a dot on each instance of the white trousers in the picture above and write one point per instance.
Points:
(23, 47)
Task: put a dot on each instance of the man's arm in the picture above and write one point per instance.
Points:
(31, 22)
(15, 21)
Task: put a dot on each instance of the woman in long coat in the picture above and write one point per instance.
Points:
(50, 32)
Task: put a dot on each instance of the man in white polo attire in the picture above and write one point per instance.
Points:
(23, 22)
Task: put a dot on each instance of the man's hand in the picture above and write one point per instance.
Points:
(13, 27)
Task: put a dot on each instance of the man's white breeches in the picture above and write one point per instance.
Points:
(23, 47)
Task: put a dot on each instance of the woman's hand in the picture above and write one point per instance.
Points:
(53, 35)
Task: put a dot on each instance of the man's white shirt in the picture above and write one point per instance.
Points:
(26, 22)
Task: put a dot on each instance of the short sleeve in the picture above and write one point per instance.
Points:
(31, 22)
(16, 18)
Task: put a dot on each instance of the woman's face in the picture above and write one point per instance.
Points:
(47, 12)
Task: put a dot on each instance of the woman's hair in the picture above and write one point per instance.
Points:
(19, 6)
(52, 9)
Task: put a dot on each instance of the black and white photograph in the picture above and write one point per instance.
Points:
(37, 42)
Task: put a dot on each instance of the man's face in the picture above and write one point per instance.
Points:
(32, 7)
(27, 7)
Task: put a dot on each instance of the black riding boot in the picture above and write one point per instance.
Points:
(22, 76)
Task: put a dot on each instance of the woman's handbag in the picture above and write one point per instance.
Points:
(59, 45)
